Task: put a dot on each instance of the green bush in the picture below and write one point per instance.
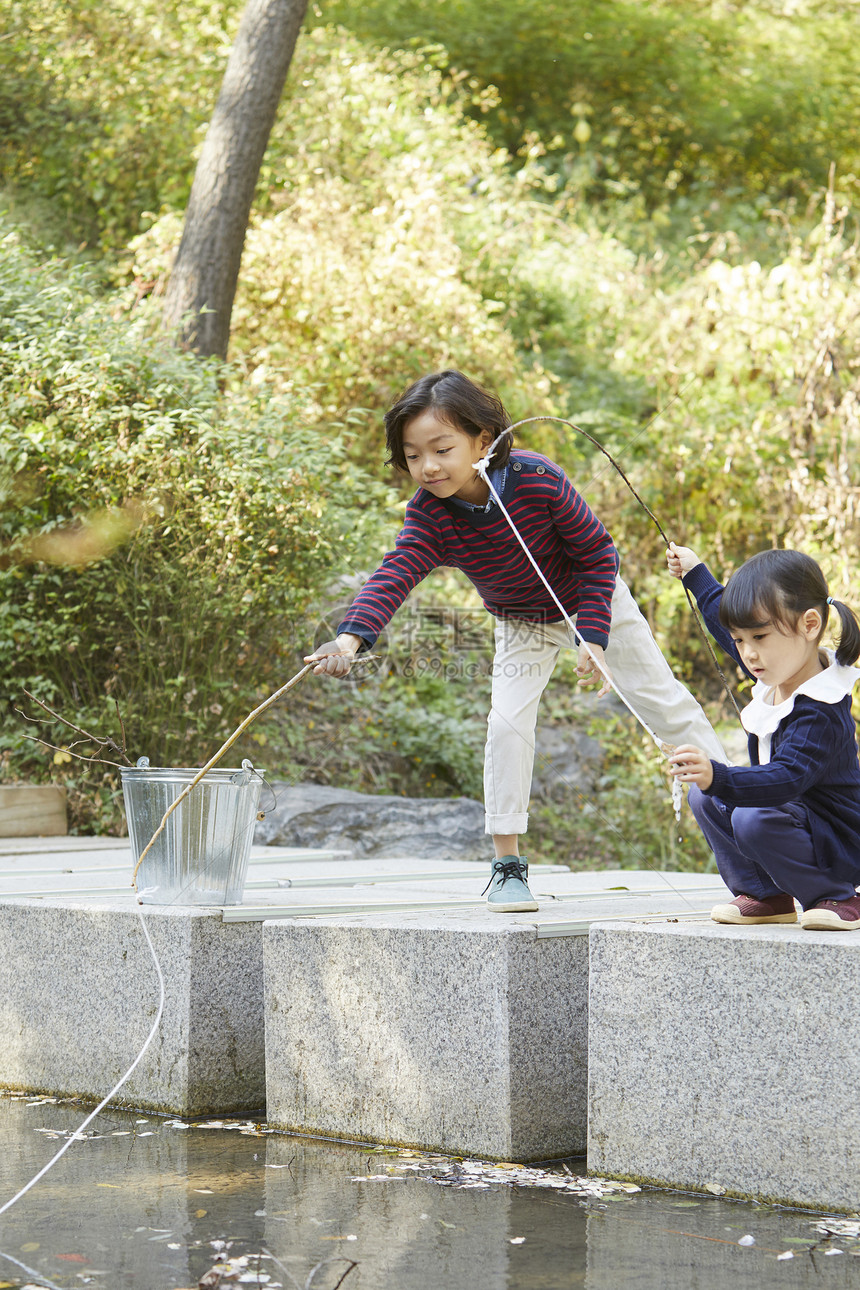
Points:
(627, 821)
(391, 239)
(361, 264)
(659, 98)
(161, 537)
(755, 434)
(101, 105)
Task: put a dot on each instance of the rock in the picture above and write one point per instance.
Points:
(567, 760)
(318, 816)
(566, 763)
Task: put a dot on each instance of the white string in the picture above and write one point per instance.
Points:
(77, 1135)
(482, 468)
(31, 1272)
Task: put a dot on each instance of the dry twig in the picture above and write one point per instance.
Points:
(110, 745)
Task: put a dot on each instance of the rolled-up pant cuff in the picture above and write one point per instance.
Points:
(502, 824)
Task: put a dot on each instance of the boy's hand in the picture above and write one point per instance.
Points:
(587, 672)
(681, 560)
(336, 656)
(692, 766)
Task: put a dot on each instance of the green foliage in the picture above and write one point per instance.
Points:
(385, 734)
(627, 822)
(530, 193)
(101, 104)
(417, 723)
(659, 98)
(359, 272)
(161, 537)
(757, 437)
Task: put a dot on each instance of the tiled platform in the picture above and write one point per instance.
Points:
(79, 990)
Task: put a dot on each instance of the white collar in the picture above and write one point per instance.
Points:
(829, 686)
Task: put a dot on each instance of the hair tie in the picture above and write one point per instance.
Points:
(830, 600)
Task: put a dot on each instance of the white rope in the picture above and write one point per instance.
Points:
(78, 1134)
(482, 468)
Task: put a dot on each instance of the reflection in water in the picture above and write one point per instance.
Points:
(151, 1204)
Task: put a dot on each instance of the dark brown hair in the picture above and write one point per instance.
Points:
(455, 400)
(779, 586)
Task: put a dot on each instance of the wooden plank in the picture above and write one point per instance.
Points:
(32, 810)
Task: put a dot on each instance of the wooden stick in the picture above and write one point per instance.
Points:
(252, 716)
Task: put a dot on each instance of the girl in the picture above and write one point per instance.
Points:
(435, 432)
(787, 827)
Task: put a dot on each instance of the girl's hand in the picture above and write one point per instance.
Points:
(692, 766)
(335, 656)
(587, 672)
(681, 560)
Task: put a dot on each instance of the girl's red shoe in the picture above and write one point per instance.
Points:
(747, 910)
(833, 916)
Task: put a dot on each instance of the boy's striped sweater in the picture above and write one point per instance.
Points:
(568, 541)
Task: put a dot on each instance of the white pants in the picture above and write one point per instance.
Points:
(526, 654)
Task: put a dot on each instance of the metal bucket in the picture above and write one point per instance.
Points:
(201, 857)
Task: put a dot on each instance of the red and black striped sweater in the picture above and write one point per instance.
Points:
(568, 541)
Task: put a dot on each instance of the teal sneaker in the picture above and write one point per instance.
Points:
(509, 893)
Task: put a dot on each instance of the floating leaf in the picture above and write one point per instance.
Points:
(838, 1227)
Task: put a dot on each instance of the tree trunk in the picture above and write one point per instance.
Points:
(199, 298)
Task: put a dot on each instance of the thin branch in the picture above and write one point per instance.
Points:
(352, 1264)
(95, 739)
(99, 761)
(121, 727)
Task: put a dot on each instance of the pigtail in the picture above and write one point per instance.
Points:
(848, 649)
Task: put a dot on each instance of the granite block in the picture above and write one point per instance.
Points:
(727, 1056)
(79, 993)
(447, 1032)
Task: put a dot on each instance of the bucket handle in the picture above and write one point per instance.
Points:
(243, 776)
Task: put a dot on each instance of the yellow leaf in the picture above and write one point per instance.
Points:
(60, 758)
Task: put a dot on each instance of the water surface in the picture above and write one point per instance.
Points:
(152, 1203)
